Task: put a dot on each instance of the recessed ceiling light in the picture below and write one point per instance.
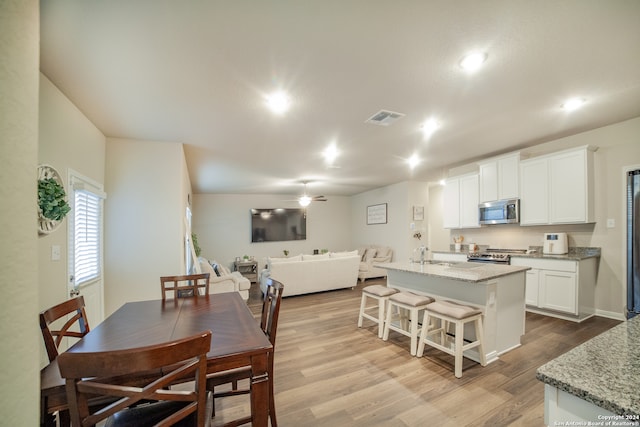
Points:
(330, 153)
(473, 61)
(413, 161)
(573, 104)
(278, 102)
(429, 127)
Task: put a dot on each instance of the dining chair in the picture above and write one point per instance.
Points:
(188, 285)
(53, 337)
(269, 325)
(140, 375)
(76, 318)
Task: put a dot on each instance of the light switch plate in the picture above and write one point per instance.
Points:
(55, 252)
(611, 223)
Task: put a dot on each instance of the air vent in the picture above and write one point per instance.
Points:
(384, 118)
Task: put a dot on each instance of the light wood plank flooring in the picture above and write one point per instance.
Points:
(328, 372)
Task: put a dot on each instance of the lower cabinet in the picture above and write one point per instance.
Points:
(558, 291)
(564, 288)
(531, 287)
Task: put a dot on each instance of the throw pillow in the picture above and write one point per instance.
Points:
(370, 254)
(362, 251)
(308, 257)
(215, 268)
(383, 252)
(343, 254)
(224, 270)
(206, 267)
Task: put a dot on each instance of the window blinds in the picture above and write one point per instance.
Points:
(87, 236)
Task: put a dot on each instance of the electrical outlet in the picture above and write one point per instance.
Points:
(611, 223)
(55, 252)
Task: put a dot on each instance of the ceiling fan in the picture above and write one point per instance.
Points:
(305, 199)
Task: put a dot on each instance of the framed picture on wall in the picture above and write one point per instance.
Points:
(377, 214)
(418, 213)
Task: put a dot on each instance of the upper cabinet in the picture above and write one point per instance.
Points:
(460, 202)
(557, 188)
(499, 178)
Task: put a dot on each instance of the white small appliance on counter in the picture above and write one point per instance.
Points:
(555, 244)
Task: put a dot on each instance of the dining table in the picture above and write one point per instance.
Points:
(236, 341)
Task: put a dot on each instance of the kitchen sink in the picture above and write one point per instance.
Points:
(461, 265)
(464, 265)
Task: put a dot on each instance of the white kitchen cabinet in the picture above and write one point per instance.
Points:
(558, 287)
(460, 202)
(469, 213)
(571, 192)
(557, 188)
(531, 287)
(534, 196)
(499, 178)
(558, 291)
(451, 203)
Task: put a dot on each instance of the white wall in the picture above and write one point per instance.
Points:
(20, 373)
(396, 233)
(147, 189)
(223, 225)
(68, 140)
(619, 146)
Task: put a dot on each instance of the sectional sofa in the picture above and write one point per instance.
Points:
(304, 274)
(221, 279)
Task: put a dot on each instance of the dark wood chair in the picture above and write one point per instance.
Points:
(53, 338)
(269, 325)
(140, 375)
(74, 308)
(185, 286)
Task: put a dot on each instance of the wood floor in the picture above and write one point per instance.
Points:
(328, 372)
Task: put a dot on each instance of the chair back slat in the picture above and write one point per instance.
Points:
(189, 285)
(53, 337)
(271, 309)
(138, 374)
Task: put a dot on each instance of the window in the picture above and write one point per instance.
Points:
(86, 232)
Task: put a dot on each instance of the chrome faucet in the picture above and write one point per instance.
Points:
(423, 251)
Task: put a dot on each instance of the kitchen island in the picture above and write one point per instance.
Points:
(596, 382)
(497, 290)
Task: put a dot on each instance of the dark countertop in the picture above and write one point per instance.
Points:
(604, 370)
(575, 253)
(463, 271)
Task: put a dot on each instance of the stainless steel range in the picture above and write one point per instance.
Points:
(494, 256)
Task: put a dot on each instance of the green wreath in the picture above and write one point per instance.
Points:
(52, 199)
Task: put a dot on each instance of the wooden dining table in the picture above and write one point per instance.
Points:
(236, 341)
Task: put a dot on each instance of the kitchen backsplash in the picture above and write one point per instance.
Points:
(508, 236)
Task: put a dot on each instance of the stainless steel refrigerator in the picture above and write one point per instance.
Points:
(633, 243)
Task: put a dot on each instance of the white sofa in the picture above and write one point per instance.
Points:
(370, 256)
(303, 274)
(223, 280)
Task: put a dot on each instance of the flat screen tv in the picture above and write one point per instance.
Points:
(278, 225)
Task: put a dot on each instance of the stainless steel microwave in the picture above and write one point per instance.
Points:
(500, 212)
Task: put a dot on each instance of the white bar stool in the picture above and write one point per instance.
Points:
(405, 302)
(381, 294)
(449, 312)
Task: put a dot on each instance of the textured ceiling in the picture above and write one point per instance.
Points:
(196, 72)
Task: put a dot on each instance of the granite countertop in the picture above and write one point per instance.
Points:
(604, 370)
(575, 253)
(462, 271)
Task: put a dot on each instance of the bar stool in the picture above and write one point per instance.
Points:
(449, 312)
(406, 302)
(381, 294)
